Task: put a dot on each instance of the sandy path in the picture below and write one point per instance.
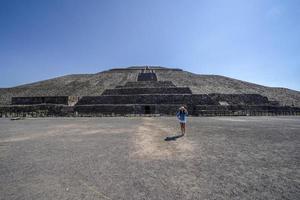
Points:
(150, 144)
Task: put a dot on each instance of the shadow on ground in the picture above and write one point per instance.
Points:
(173, 138)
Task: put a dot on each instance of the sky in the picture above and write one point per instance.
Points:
(252, 40)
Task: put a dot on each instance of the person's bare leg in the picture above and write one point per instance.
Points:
(180, 127)
(183, 126)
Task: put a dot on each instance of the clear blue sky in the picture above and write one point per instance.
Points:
(252, 40)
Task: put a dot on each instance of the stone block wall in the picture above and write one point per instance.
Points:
(146, 84)
(141, 110)
(244, 99)
(245, 110)
(64, 100)
(147, 99)
(132, 91)
(147, 76)
(98, 110)
(126, 109)
(36, 111)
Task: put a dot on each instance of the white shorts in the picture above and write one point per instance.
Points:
(182, 121)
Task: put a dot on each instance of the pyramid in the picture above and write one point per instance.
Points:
(147, 95)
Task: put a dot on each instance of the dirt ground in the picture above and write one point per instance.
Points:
(128, 158)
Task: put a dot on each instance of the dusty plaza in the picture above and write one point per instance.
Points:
(149, 100)
(128, 158)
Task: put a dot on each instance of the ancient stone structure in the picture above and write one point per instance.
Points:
(146, 96)
(64, 100)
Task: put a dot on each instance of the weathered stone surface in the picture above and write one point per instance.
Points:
(147, 96)
(95, 84)
(49, 110)
(95, 110)
(244, 110)
(148, 99)
(147, 76)
(244, 99)
(65, 100)
(129, 91)
(146, 84)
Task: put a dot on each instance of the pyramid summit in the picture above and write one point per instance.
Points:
(140, 90)
(146, 67)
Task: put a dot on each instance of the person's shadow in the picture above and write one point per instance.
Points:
(173, 138)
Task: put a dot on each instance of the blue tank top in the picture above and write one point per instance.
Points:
(181, 115)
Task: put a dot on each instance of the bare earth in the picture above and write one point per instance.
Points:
(128, 158)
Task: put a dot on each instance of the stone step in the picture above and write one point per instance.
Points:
(199, 99)
(129, 91)
(124, 109)
(232, 99)
(147, 84)
(139, 109)
(64, 100)
(147, 76)
(265, 107)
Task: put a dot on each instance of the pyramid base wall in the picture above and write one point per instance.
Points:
(141, 110)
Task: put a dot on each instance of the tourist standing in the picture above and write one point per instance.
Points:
(182, 116)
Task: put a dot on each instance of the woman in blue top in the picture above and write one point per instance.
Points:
(182, 115)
